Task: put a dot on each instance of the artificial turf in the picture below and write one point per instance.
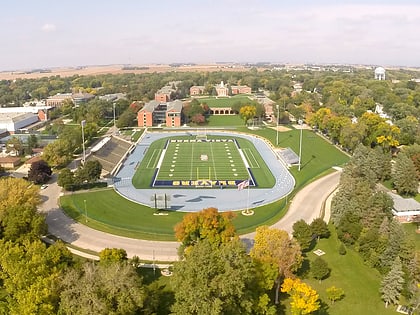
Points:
(175, 160)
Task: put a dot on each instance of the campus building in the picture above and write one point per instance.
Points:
(197, 90)
(221, 89)
(17, 119)
(156, 112)
(77, 99)
(166, 92)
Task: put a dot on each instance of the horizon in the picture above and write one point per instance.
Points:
(47, 34)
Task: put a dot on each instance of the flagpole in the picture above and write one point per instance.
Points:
(247, 201)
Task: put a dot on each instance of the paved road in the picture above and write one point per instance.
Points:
(306, 205)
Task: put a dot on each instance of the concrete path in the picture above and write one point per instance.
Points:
(306, 205)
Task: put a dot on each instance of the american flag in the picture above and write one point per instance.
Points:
(243, 184)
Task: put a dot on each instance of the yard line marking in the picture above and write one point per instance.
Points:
(212, 158)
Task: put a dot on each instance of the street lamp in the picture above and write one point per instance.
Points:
(83, 123)
(277, 135)
(300, 121)
(85, 211)
(113, 107)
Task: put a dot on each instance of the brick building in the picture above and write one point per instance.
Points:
(197, 90)
(156, 112)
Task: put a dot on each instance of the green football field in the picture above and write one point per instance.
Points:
(217, 159)
(190, 162)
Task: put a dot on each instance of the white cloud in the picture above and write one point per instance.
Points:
(48, 27)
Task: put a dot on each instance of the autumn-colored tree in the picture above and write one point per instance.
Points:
(276, 248)
(304, 298)
(247, 112)
(207, 224)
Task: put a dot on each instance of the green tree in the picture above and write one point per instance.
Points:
(319, 269)
(31, 143)
(15, 144)
(214, 280)
(113, 288)
(30, 273)
(303, 234)
(112, 255)
(319, 228)
(19, 218)
(334, 294)
(58, 153)
(275, 248)
(392, 284)
(404, 181)
(40, 172)
(65, 178)
(90, 172)
(126, 119)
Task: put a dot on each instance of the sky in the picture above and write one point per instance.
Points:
(54, 33)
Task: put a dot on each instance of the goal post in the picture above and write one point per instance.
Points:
(201, 135)
(203, 182)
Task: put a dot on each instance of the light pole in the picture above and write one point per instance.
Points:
(113, 107)
(83, 123)
(277, 129)
(85, 211)
(300, 121)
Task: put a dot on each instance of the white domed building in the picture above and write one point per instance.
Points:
(379, 73)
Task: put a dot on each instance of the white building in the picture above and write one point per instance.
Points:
(380, 73)
(14, 121)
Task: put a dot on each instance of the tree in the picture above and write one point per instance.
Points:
(31, 143)
(334, 294)
(304, 298)
(206, 224)
(303, 234)
(274, 247)
(90, 172)
(404, 181)
(247, 112)
(319, 269)
(58, 153)
(65, 178)
(392, 283)
(214, 280)
(319, 228)
(112, 255)
(30, 273)
(126, 119)
(19, 218)
(40, 172)
(15, 144)
(113, 288)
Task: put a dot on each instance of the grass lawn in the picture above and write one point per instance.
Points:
(224, 101)
(359, 282)
(318, 155)
(224, 120)
(411, 230)
(182, 162)
(109, 212)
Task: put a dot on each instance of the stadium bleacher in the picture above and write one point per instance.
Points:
(110, 153)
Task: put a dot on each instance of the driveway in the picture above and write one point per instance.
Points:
(306, 205)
